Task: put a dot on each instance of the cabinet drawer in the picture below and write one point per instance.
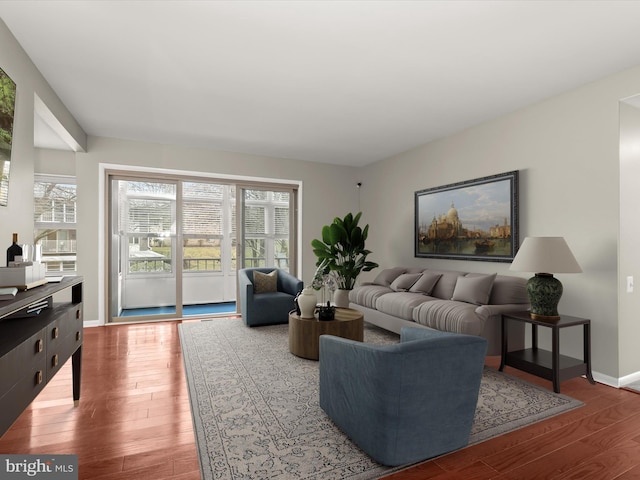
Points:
(64, 336)
(25, 359)
(23, 372)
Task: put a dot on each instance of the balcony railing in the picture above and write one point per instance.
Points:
(58, 246)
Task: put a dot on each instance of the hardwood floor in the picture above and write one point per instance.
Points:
(134, 422)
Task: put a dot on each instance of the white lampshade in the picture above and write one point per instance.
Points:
(545, 255)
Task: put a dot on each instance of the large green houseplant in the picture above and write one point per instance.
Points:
(342, 250)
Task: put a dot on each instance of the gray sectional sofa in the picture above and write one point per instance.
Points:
(445, 300)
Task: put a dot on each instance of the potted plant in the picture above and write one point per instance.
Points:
(342, 250)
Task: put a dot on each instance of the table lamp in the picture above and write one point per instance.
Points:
(545, 256)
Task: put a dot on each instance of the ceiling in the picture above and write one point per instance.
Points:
(342, 82)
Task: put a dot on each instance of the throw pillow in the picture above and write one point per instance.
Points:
(426, 283)
(386, 276)
(404, 282)
(476, 289)
(265, 282)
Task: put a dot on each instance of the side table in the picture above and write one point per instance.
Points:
(550, 365)
(304, 333)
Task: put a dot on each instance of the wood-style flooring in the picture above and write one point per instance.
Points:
(134, 422)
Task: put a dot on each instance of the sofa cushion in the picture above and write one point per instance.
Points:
(474, 288)
(404, 282)
(426, 283)
(446, 284)
(509, 290)
(265, 282)
(388, 275)
(449, 316)
(366, 295)
(400, 304)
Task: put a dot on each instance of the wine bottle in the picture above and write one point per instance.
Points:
(14, 250)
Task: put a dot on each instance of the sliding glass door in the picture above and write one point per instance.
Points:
(175, 243)
(143, 268)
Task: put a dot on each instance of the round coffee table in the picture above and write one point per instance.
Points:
(304, 333)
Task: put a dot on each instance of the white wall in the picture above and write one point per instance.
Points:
(629, 251)
(566, 149)
(18, 215)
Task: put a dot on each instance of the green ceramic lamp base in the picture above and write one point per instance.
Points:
(544, 294)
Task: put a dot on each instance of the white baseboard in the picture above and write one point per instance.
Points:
(92, 323)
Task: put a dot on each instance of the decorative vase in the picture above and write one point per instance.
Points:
(341, 298)
(307, 301)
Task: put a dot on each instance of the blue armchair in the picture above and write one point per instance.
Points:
(270, 307)
(405, 402)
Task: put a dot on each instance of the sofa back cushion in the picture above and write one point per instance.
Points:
(509, 290)
(446, 284)
(388, 275)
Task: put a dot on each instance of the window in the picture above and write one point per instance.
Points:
(266, 228)
(205, 225)
(147, 222)
(55, 222)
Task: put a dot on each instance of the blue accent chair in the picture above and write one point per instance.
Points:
(405, 402)
(271, 307)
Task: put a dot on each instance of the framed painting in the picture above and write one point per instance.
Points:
(7, 105)
(471, 220)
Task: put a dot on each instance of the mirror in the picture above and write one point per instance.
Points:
(7, 105)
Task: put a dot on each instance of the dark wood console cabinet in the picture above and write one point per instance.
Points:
(33, 348)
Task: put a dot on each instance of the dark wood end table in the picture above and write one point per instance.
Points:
(550, 365)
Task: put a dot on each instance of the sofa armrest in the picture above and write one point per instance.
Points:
(486, 311)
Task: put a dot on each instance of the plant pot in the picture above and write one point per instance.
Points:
(341, 298)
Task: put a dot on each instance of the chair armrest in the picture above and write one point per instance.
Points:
(245, 290)
(287, 283)
(408, 334)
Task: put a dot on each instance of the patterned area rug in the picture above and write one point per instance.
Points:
(256, 414)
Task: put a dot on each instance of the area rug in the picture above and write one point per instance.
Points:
(256, 414)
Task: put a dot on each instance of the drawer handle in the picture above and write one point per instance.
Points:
(54, 333)
(38, 377)
(77, 336)
(39, 346)
(77, 314)
(54, 360)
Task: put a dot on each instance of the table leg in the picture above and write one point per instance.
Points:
(76, 368)
(587, 352)
(504, 343)
(555, 359)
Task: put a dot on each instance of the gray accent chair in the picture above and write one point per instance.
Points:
(271, 307)
(406, 402)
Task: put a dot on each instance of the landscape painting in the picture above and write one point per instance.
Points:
(7, 105)
(470, 220)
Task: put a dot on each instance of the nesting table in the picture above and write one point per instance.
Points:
(304, 333)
